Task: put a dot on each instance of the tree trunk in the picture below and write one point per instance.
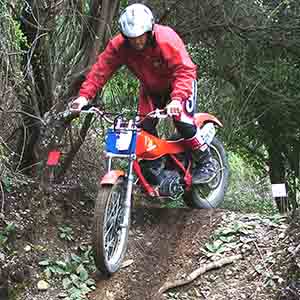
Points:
(38, 25)
(38, 97)
(277, 175)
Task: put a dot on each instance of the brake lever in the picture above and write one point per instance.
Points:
(160, 114)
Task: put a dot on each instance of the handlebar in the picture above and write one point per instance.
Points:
(98, 113)
(157, 113)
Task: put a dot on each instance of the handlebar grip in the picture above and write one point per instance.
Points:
(87, 107)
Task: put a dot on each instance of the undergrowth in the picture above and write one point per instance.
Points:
(248, 192)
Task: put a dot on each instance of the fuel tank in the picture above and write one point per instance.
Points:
(151, 147)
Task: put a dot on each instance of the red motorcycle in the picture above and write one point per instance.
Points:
(125, 140)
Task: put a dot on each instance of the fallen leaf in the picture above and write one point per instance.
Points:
(127, 263)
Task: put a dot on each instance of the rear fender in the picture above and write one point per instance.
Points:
(112, 177)
(202, 118)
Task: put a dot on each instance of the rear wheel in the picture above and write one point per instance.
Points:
(211, 194)
(110, 238)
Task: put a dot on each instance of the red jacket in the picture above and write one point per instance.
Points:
(166, 66)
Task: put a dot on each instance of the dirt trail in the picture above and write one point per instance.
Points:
(168, 244)
(162, 241)
(164, 245)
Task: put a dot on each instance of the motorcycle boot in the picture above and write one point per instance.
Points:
(205, 169)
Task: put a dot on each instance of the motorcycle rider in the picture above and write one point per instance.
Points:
(157, 56)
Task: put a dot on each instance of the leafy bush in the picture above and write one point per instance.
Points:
(73, 273)
(66, 233)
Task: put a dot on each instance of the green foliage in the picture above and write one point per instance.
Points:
(249, 191)
(226, 234)
(208, 94)
(21, 41)
(250, 81)
(13, 27)
(227, 238)
(7, 184)
(215, 247)
(174, 203)
(73, 273)
(8, 231)
(123, 4)
(5, 178)
(121, 92)
(66, 233)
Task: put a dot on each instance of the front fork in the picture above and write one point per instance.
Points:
(128, 197)
(112, 176)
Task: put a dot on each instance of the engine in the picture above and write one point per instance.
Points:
(170, 184)
(166, 181)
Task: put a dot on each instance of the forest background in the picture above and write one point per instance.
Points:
(247, 54)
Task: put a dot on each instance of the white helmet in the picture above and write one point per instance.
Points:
(135, 20)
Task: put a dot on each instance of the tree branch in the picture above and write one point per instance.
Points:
(213, 265)
(24, 113)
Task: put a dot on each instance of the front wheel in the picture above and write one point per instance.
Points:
(211, 194)
(110, 238)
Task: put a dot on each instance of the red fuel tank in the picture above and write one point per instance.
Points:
(151, 147)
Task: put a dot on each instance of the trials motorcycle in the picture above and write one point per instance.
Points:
(126, 140)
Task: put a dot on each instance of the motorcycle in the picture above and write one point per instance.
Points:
(127, 141)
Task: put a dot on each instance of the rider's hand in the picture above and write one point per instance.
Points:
(174, 108)
(76, 105)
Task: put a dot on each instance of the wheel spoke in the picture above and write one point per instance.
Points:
(110, 239)
(114, 207)
(111, 234)
(112, 243)
(109, 230)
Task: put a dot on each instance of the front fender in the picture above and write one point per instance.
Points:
(111, 177)
(202, 118)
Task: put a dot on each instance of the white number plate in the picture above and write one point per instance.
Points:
(123, 142)
(208, 132)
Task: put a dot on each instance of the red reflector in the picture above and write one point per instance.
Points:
(53, 158)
